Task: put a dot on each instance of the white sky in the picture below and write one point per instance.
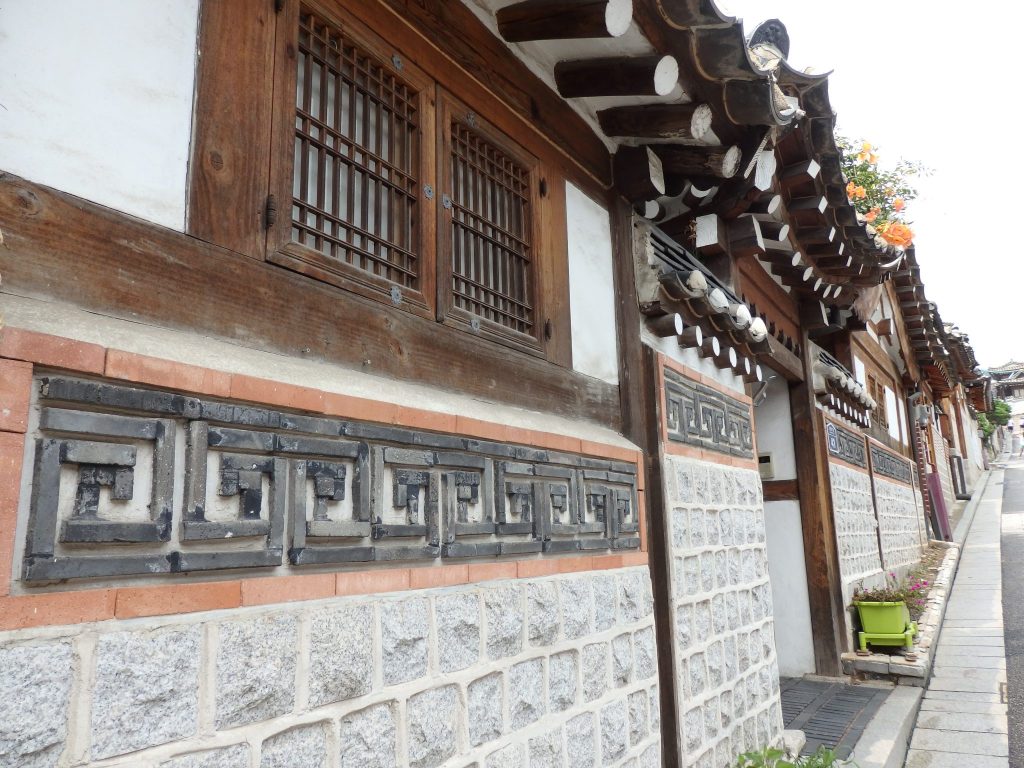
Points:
(938, 83)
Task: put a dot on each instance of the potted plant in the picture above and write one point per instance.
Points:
(887, 612)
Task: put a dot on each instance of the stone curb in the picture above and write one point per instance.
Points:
(898, 668)
(885, 740)
(964, 526)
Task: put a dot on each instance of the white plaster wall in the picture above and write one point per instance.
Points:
(774, 428)
(97, 100)
(787, 571)
(858, 371)
(591, 287)
(893, 411)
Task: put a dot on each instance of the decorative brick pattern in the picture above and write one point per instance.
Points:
(354, 492)
(355, 682)
(701, 416)
(845, 445)
(856, 527)
(726, 667)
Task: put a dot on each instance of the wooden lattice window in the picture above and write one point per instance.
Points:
(360, 119)
(490, 229)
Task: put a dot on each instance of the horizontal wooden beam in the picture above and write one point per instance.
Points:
(780, 490)
(61, 248)
(617, 76)
(564, 19)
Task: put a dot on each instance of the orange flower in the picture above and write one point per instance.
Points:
(851, 188)
(896, 234)
(865, 147)
(860, 193)
(871, 215)
(872, 157)
(898, 204)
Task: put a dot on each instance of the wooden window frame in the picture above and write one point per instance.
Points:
(450, 109)
(281, 249)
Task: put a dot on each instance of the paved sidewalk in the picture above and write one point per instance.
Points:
(962, 722)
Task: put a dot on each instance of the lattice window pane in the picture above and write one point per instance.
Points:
(356, 156)
(491, 232)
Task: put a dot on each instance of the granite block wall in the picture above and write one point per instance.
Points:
(899, 523)
(726, 667)
(856, 528)
(552, 672)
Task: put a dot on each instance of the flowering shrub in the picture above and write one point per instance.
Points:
(776, 758)
(912, 590)
(879, 195)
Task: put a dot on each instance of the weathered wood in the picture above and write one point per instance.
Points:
(782, 361)
(617, 76)
(692, 336)
(726, 358)
(769, 204)
(689, 123)
(798, 173)
(780, 490)
(420, 28)
(639, 175)
(564, 19)
(718, 162)
(230, 164)
(127, 268)
(821, 557)
(666, 325)
(711, 347)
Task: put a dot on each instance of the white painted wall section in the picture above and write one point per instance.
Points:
(591, 287)
(786, 570)
(97, 100)
(774, 422)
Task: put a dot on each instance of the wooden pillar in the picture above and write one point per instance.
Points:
(821, 555)
(641, 402)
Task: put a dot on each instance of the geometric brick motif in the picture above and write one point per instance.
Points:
(262, 487)
(698, 415)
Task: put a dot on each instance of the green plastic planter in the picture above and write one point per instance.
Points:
(885, 624)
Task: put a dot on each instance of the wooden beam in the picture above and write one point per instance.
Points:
(821, 557)
(689, 123)
(564, 19)
(780, 490)
(719, 162)
(617, 76)
(127, 268)
(638, 174)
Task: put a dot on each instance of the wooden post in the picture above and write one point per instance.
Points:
(821, 556)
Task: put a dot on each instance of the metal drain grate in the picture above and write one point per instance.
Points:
(830, 714)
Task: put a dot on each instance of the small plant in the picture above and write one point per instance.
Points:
(776, 758)
(912, 590)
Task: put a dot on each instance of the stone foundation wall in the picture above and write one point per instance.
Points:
(726, 667)
(553, 671)
(899, 522)
(942, 467)
(856, 528)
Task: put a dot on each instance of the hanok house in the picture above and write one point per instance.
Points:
(393, 383)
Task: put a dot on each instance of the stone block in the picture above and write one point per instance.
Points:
(577, 601)
(614, 731)
(486, 703)
(606, 602)
(651, 757)
(693, 728)
(637, 717)
(36, 684)
(546, 750)
(580, 742)
(340, 654)
(563, 671)
(707, 571)
(433, 726)
(236, 756)
(721, 569)
(458, 630)
(404, 640)
(146, 689)
(636, 600)
(646, 654)
(510, 756)
(622, 660)
(504, 615)
(256, 669)
(368, 738)
(712, 719)
(702, 621)
(526, 692)
(654, 705)
(697, 530)
(595, 670)
(680, 529)
(719, 614)
(305, 746)
(716, 671)
(684, 628)
(691, 576)
(697, 674)
(542, 610)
